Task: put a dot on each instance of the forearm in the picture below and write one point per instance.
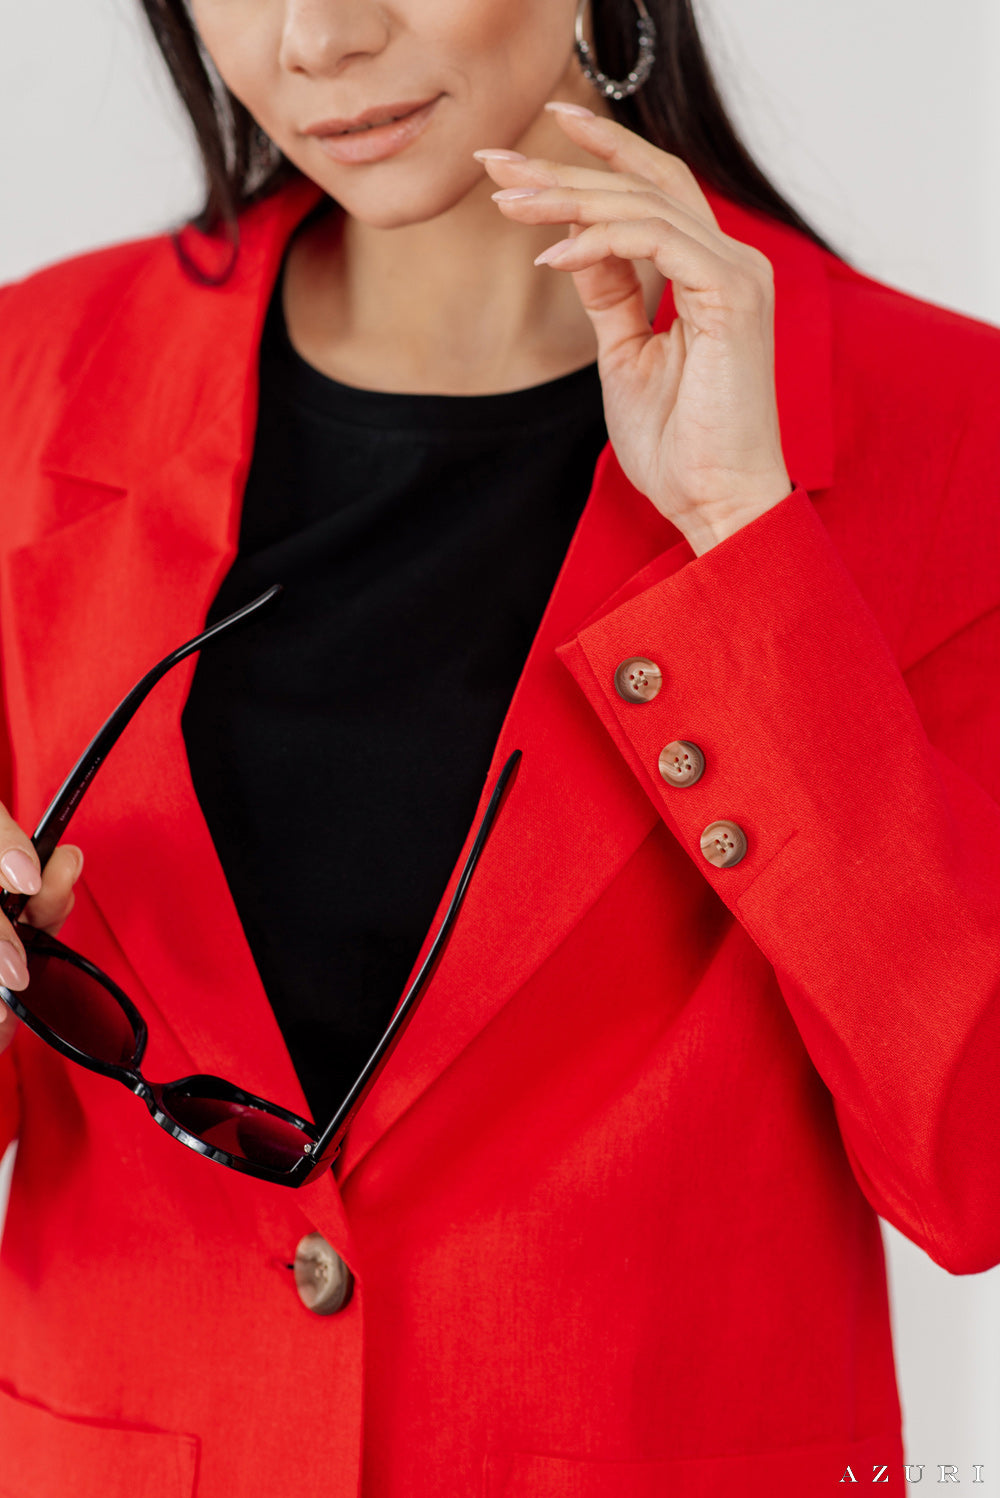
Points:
(871, 879)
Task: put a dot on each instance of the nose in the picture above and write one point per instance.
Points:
(319, 36)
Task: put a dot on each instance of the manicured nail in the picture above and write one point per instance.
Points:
(562, 108)
(13, 970)
(506, 193)
(553, 252)
(499, 156)
(19, 870)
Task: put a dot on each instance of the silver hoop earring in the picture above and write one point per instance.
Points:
(609, 87)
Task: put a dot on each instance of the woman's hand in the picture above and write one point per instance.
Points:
(691, 413)
(51, 901)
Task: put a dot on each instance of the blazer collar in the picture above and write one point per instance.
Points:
(147, 466)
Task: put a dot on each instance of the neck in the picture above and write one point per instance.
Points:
(452, 302)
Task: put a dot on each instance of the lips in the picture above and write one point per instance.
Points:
(369, 119)
(357, 129)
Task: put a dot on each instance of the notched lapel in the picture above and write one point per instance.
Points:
(91, 608)
(573, 818)
(91, 604)
(88, 609)
(571, 821)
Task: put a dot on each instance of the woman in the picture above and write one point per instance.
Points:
(697, 518)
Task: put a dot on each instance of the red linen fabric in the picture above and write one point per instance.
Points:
(611, 1208)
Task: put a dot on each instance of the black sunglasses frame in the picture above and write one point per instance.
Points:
(320, 1147)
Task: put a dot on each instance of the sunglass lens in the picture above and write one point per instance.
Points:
(78, 1009)
(241, 1130)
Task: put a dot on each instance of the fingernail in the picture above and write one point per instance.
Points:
(499, 156)
(553, 252)
(19, 870)
(506, 193)
(562, 108)
(13, 969)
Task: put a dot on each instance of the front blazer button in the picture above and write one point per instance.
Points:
(638, 679)
(322, 1279)
(723, 844)
(681, 763)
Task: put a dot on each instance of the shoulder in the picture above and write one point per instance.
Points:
(134, 299)
(92, 273)
(897, 362)
(919, 359)
(81, 285)
(916, 415)
(51, 319)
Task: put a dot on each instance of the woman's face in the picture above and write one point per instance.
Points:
(489, 64)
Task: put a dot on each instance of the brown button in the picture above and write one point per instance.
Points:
(723, 843)
(637, 679)
(681, 763)
(322, 1279)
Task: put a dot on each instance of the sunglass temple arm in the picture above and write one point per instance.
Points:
(327, 1147)
(57, 817)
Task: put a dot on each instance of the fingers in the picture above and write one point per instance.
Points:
(611, 226)
(625, 151)
(53, 903)
(540, 171)
(562, 204)
(719, 300)
(643, 226)
(19, 870)
(13, 962)
(50, 902)
(47, 908)
(20, 875)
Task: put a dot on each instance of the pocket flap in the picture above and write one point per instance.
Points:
(45, 1455)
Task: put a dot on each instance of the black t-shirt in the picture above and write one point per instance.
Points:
(339, 744)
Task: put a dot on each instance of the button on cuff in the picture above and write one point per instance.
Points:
(723, 844)
(638, 679)
(681, 763)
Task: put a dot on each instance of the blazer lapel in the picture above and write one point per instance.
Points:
(143, 481)
(576, 813)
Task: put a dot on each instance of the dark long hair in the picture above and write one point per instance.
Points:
(679, 109)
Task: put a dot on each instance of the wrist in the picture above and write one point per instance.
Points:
(707, 526)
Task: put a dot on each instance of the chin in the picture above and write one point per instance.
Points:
(409, 201)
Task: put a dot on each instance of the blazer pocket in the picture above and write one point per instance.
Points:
(786, 1473)
(45, 1455)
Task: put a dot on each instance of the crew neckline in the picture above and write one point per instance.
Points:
(573, 397)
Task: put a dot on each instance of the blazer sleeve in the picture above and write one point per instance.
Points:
(871, 880)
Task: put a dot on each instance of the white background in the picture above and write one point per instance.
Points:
(879, 118)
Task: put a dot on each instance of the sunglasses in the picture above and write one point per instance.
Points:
(76, 1008)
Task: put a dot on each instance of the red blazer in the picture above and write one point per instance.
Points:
(611, 1208)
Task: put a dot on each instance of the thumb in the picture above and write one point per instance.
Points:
(50, 907)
